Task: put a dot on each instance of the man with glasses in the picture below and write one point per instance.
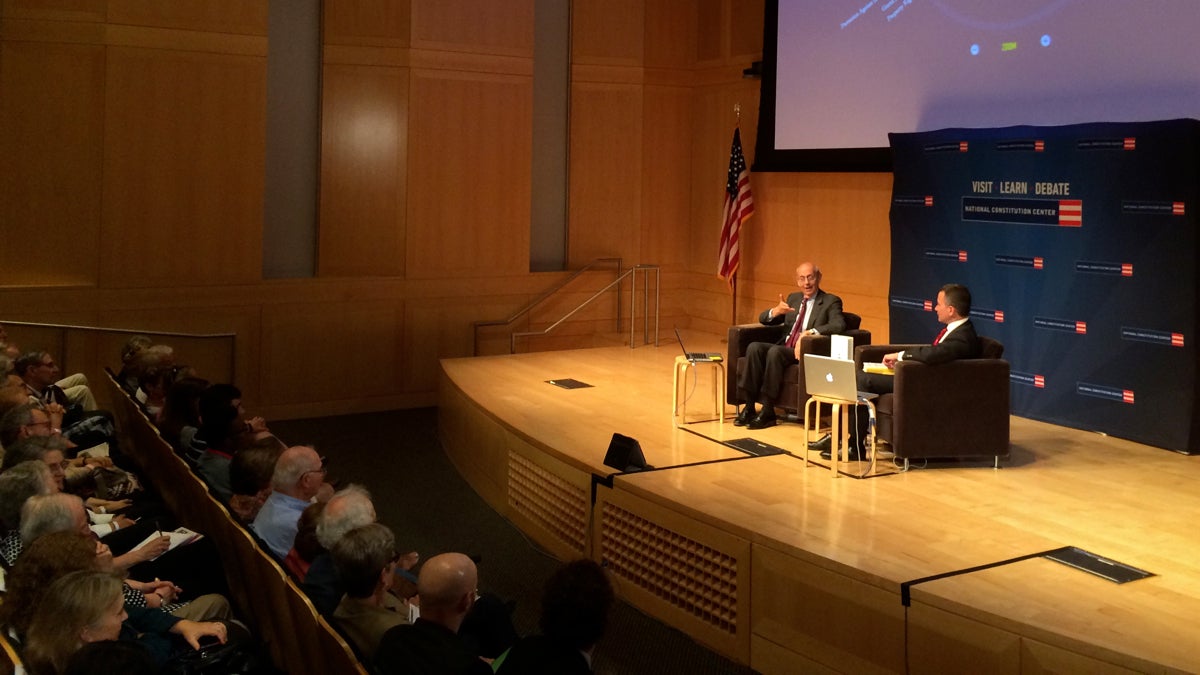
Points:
(41, 376)
(299, 475)
(810, 311)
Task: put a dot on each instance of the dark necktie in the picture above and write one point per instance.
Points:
(939, 335)
(797, 328)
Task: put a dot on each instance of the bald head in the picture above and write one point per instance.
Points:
(808, 278)
(447, 586)
(298, 472)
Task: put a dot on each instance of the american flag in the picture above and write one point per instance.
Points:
(739, 205)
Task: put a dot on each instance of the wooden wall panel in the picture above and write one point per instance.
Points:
(605, 201)
(712, 41)
(331, 351)
(942, 642)
(243, 17)
(50, 159)
(670, 33)
(609, 32)
(375, 22)
(746, 30)
(183, 172)
(481, 26)
(61, 10)
(469, 181)
(364, 148)
(666, 208)
(840, 622)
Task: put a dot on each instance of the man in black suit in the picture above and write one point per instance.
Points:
(957, 340)
(810, 311)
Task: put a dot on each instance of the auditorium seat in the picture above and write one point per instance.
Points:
(793, 394)
(952, 410)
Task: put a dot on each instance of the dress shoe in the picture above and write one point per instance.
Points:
(765, 418)
(823, 443)
(744, 417)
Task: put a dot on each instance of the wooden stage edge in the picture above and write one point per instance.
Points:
(782, 566)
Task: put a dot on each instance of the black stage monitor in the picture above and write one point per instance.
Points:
(625, 454)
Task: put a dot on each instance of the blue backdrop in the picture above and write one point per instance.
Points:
(1079, 246)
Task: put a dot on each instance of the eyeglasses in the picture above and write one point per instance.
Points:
(321, 470)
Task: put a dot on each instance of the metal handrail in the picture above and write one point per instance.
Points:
(512, 340)
(545, 296)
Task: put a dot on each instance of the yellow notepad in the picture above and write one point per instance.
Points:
(878, 369)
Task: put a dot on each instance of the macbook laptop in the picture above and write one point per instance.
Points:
(832, 378)
(697, 356)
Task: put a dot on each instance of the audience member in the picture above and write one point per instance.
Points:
(17, 484)
(179, 419)
(250, 473)
(78, 608)
(447, 587)
(306, 547)
(348, 509)
(365, 559)
(128, 376)
(41, 377)
(575, 607)
(298, 477)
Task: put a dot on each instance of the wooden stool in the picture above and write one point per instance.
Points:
(839, 427)
(683, 365)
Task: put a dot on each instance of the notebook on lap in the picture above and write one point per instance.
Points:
(833, 378)
(697, 356)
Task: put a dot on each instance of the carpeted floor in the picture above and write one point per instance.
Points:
(418, 493)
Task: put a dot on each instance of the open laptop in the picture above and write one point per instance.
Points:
(833, 378)
(697, 356)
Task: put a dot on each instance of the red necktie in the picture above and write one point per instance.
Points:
(797, 327)
(939, 335)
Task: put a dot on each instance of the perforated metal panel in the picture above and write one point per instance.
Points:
(550, 501)
(695, 578)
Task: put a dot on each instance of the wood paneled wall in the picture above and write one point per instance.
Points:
(132, 141)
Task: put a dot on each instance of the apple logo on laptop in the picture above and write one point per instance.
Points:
(829, 377)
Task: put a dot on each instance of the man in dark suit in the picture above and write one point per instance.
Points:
(957, 340)
(810, 311)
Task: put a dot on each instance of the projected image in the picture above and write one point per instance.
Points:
(849, 72)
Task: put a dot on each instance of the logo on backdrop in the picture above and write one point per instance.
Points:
(1158, 337)
(1154, 208)
(1027, 379)
(945, 254)
(912, 303)
(1102, 267)
(1025, 146)
(1036, 262)
(1126, 143)
(1053, 212)
(1065, 325)
(986, 314)
(1104, 391)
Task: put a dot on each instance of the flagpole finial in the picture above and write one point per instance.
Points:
(737, 111)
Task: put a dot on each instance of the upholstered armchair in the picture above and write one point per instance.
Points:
(792, 395)
(952, 410)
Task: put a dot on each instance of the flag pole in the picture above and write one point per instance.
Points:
(737, 112)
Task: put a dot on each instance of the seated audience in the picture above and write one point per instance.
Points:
(17, 484)
(179, 419)
(306, 547)
(365, 559)
(40, 374)
(250, 473)
(431, 644)
(88, 606)
(297, 480)
(78, 608)
(128, 375)
(575, 607)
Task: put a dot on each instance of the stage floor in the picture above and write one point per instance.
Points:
(881, 537)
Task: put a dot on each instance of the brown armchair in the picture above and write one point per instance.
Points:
(792, 395)
(952, 410)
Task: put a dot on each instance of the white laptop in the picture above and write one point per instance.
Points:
(832, 378)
